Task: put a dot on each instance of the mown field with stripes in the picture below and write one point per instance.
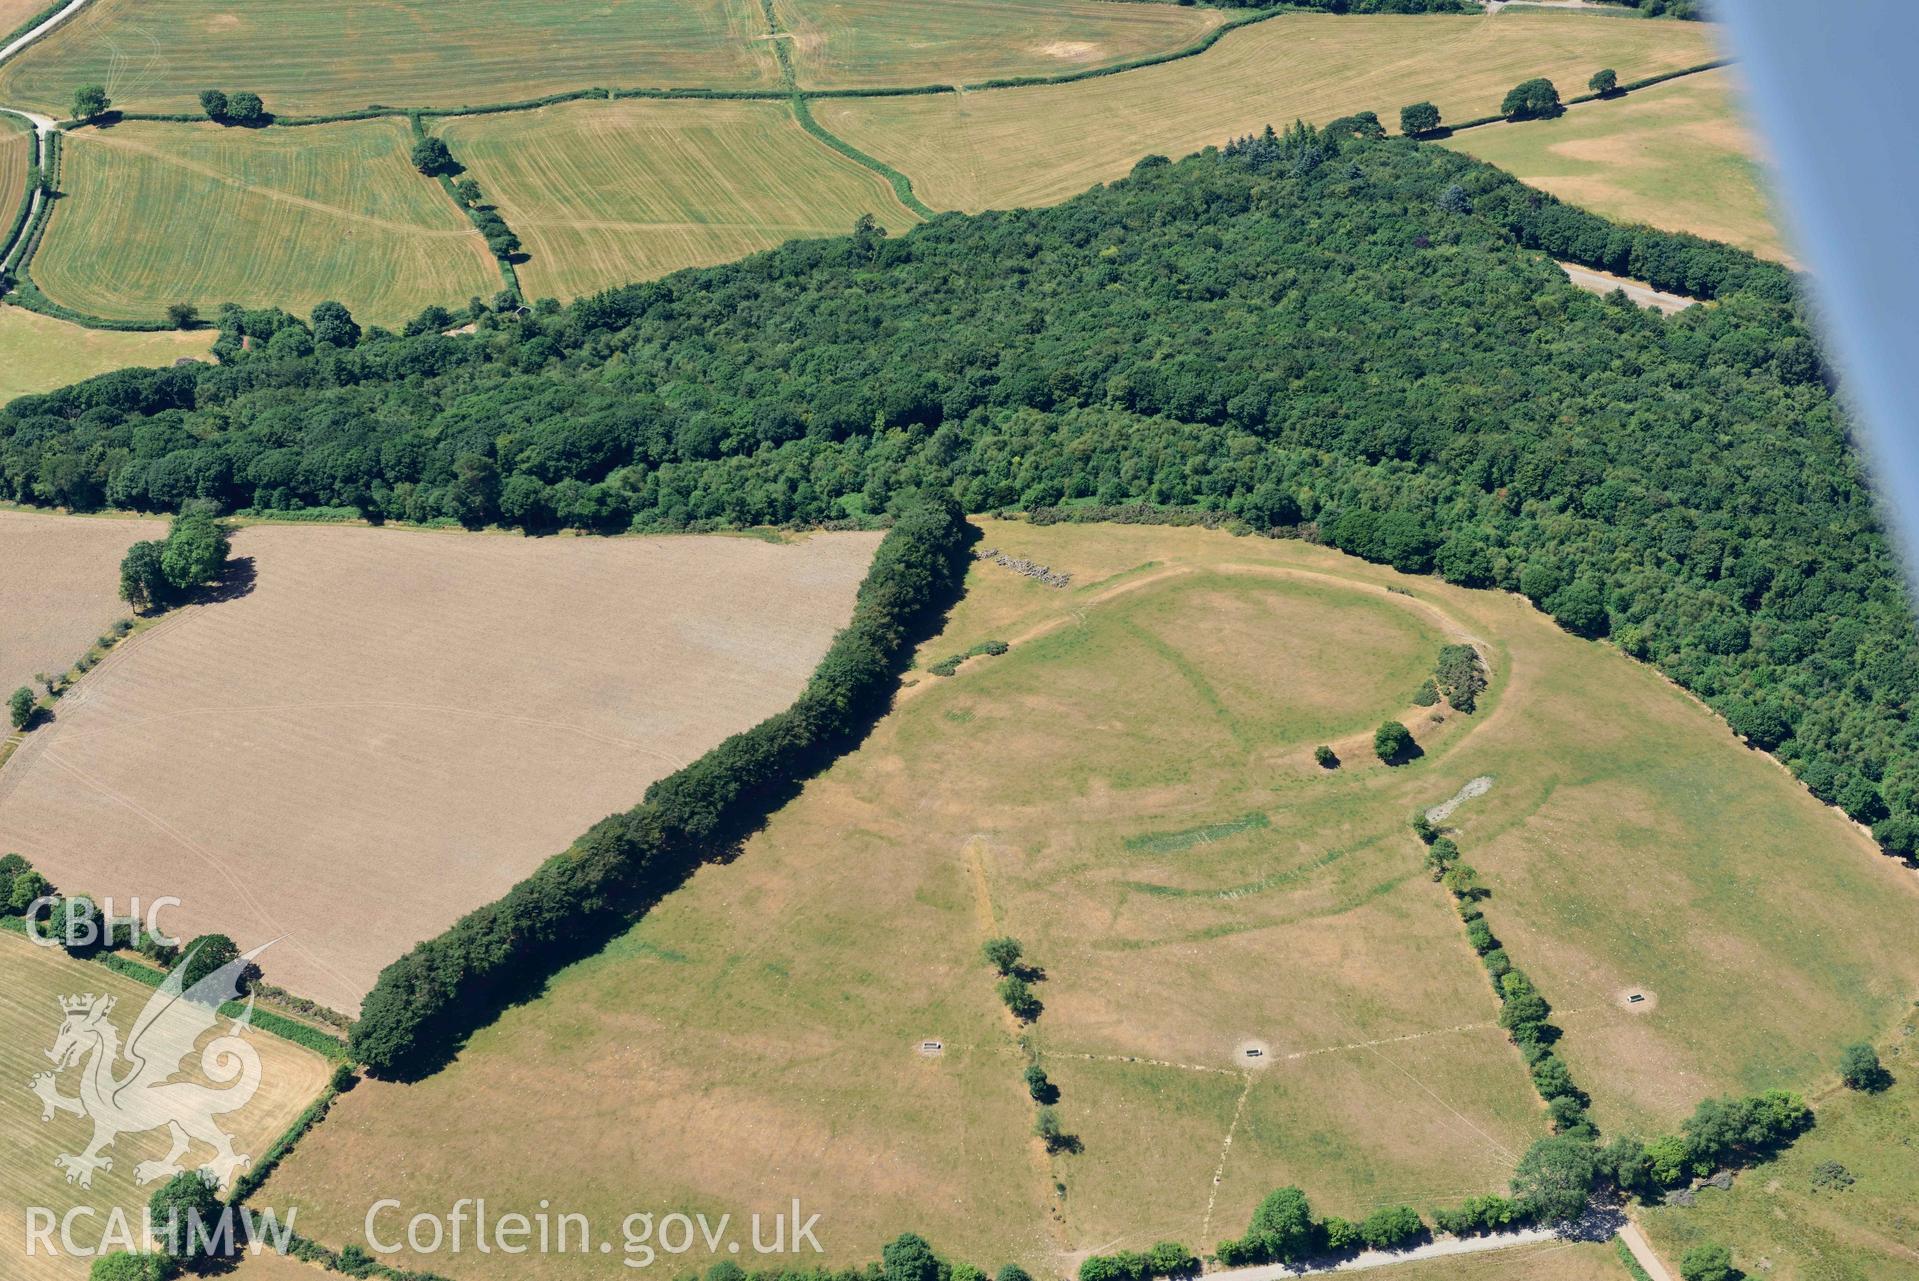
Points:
(154, 214)
(604, 193)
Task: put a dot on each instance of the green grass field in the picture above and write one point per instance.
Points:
(1867, 1230)
(156, 55)
(32, 981)
(16, 157)
(605, 193)
(1000, 149)
(153, 214)
(867, 43)
(39, 353)
(1676, 155)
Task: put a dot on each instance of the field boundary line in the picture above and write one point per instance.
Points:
(1225, 1151)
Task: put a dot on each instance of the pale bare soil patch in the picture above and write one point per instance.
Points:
(393, 727)
(59, 588)
(32, 980)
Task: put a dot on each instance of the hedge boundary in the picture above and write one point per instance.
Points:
(331, 1047)
(508, 275)
(428, 1001)
(1192, 50)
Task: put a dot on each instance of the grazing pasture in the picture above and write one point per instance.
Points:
(841, 44)
(1089, 792)
(32, 982)
(392, 727)
(1812, 1222)
(606, 193)
(344, 55)
(1546, 1261)
(39, 353)
(1676, 155)
(59, 585)
(1006, 148)
(155, 214)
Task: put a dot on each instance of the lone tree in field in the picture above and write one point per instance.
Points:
(1860, 1068)
(214, 103)
(90, 102)
(1604, 82)
(1708, 1263)
(20, 707)
(1530, 100)
(431, 157)
(1019, 998)
(246, 108)
(1393, 742)
(1002, 953)
(1418, 118)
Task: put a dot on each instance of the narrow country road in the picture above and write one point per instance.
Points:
(1440, 1248)
(22, 42)
(1642, 1250)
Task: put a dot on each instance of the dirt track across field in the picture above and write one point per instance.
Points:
(390, 728)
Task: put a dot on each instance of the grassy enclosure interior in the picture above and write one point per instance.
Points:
(604, 194)
(39, 353)
(344, 55)
(1676, 155)
(285, 218)
(1131, 791)
(867, 43)
(1004, 148)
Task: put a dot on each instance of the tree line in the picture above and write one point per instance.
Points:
(1316, 333)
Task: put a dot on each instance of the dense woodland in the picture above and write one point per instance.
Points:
(1334, 336)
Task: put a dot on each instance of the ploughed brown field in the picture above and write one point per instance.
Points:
(59, 588)
(390, 728)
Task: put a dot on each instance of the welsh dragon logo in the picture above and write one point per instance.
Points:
(130, 1091)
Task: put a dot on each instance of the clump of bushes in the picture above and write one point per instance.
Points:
(167, 571)
(1326, 757)
(1166, 1259)
(1393, 743)
(949, 665)
(1461, 676)
(1284, 1230)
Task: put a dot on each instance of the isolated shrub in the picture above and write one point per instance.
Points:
(1393, 742)
(1019, 998)
(1830, 1176)
(1707, 1263)
(1860, 1069)
(1326, 757)
(1002, 953)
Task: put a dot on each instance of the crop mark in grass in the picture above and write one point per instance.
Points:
(1225, 1150)
(1171, 842)
(1195, 679)
(1264, 883)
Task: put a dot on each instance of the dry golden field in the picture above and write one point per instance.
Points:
(59, 588)
(16, 157)
(342, 55)
(607, 193)
(393, 727)
(1131, 792)
(1005, 148)
(32, 981)
(1677, 155)
(839, 44)
(39, 353)
(262, 217)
